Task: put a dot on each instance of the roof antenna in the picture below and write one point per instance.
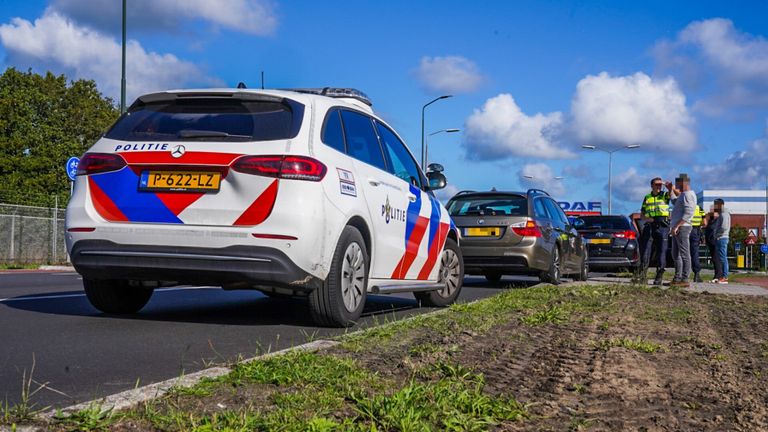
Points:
(262, 80)
(241, 85)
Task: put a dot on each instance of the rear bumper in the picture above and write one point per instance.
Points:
(231, 267)
(612, 262)
(498, 264)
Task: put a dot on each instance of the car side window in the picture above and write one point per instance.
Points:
(556, 212)
(399, 161)
(333, 136)
(539, 210)
(362, 143)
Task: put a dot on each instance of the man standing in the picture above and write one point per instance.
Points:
(698, 222)
(655, 211)
(722, 231)
(684, 200)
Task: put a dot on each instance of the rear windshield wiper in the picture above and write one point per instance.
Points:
(192, 133)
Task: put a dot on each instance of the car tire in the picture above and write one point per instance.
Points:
(583, 273)
(493, 277)
(451, 272)
(340, 300)
(116, 296)
(553, 274)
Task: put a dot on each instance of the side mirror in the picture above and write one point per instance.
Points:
(436, 180)
(435, 167)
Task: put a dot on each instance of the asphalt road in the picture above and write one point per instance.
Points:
(79, 354)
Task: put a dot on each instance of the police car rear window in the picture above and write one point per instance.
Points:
(209, 119)
(489, 206)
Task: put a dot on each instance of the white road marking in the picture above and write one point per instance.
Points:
(58, 296)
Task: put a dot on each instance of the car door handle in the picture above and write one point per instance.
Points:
(411, 197)
(374, 182)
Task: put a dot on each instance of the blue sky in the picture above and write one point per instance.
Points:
(533, 81)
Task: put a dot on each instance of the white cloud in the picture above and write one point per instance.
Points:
(630, 186)
(634, 109)
(246, 16)
(580, 171)
(541, 177)
(451, 74)
(500, 130)
(54, 42)
(742, 169)
(729, 68)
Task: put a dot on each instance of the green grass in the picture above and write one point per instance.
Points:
(552, 314)
(637, 344)
(665, 314)
(92, 418)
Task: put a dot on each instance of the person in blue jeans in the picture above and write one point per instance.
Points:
(722, 232)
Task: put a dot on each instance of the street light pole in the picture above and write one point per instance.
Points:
(426, 143)
(610, 166)
(122, 80)
(423, 108)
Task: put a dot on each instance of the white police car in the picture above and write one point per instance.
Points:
(301, 192)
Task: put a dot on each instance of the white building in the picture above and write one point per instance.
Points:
(748, 208)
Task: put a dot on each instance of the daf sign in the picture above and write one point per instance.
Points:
(590, 206)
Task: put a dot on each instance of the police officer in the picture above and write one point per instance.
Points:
(698, 221)
(655, 235)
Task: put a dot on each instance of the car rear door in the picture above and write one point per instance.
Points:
(567, 235)
(385, 196)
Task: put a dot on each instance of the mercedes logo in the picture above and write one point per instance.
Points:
(178, 151)
(480, 221)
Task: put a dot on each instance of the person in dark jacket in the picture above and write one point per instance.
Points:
(711, 241)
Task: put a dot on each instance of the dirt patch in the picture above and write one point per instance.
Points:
(706, 369)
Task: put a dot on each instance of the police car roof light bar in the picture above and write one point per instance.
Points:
(335, 92)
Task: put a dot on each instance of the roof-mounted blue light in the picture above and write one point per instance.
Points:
(336, 92)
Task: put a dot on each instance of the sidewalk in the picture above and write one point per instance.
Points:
(730, 288)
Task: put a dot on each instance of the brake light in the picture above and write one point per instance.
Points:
(94, 163)
(527, 229)
(274, 236)
(284, 167)
(81, 229)
(629, 235)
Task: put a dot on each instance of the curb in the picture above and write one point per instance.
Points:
(56, 268)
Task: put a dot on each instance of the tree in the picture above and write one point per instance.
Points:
(44, 121)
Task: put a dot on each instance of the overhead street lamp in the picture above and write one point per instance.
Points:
(426, 143)
(423, 148)
(610, 165)
(530, 177)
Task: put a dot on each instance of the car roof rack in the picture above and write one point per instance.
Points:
(335, 92)
(541, 191)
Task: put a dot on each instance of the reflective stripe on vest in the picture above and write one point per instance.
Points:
(656, 206)
(698, 215)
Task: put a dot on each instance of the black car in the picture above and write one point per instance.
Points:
(611, 241)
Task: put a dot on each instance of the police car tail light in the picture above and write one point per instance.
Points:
(284, 167)
(94, 163)
(526, 229)
(629, 235)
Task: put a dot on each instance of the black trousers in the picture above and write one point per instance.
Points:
(654, 240)
(694, 242)
(712, 246)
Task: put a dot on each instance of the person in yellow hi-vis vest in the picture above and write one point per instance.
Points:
(698, 221)
(655, 235)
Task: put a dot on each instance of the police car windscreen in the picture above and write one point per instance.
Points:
(605, 223)
(489, 206)
(207, 119)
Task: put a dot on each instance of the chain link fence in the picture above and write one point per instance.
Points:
(30, 235)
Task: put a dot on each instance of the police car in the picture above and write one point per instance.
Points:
(302, 192)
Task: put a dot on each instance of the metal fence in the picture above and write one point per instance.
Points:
(31, 234)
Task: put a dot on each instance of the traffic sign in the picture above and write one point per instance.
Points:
(72, 167)
(750, 240)
(737, 246)
(764, 248)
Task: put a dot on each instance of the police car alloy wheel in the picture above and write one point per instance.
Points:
(451, 274)
(339, 302)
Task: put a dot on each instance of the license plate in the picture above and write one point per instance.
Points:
(180, 181)
(599, 241)
(482, 232)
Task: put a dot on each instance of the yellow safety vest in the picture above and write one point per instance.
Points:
(698, 215)
(656, 206)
